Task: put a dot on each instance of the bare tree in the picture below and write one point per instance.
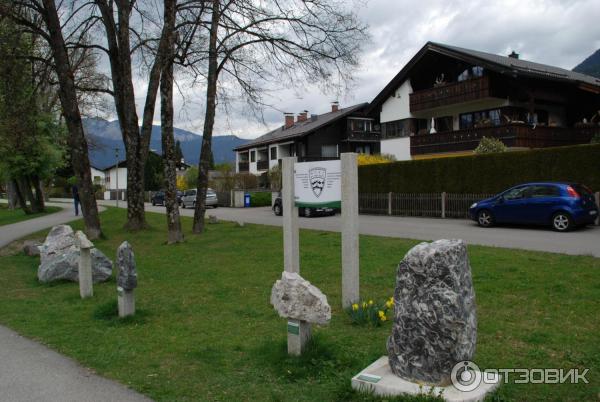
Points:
(252, 43)
(175, 235)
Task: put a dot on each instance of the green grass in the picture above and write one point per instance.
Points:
(8, 216)
(205, 329)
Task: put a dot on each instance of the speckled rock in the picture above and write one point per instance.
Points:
(435, 323)
(127, 276)
(59, 258)
(294, 297)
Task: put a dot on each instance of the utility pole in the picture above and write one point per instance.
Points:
(117, 174)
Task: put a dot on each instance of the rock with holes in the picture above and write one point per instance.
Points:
(294, 297)
(59, 258)
(127, 276)
(435, 323)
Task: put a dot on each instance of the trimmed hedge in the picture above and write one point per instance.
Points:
(487, 173)
(260, 199)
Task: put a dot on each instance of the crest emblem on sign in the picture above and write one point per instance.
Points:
(317, 177)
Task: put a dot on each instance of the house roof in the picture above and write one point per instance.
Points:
(300, 129)
(494, 62)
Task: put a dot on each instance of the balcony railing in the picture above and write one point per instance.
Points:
(243, 167)
(449, 94)
(371, 136)
(262, 165)
(310, 158)
(512, 135)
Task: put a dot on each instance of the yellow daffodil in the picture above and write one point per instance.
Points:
(370, 302)
(381, 313)
(364, 304)
(355, 307)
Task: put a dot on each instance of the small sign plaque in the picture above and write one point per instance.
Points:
(318, 184)
(369, 378)
(293, 328)
(120, 291)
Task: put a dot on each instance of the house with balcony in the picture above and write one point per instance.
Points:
(311, 138)
(447, 98)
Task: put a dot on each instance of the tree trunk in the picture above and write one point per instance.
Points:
(11, 194)
(21, 197)
(136, 139)
(175, 234)
(70, 108)
(209, 122)
(39, 193)
(25, 189)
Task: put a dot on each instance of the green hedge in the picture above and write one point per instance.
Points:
(260, 199)
(488, 173)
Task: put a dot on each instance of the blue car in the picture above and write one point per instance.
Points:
(560, 205)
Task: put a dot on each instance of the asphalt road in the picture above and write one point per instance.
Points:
(585, 241)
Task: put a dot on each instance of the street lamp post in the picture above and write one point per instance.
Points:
(117, 174)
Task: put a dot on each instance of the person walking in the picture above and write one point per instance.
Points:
(76, 199)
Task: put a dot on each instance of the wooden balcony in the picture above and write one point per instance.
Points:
(262, 165)
(363, 136)
(512, 135)
(449, 94)
(243, 167)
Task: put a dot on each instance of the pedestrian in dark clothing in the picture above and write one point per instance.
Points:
(76, 199)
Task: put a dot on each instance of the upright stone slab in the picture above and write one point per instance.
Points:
(435, 323)
(126, 280)
(86, 288)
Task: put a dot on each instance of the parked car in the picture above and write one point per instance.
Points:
(189, 199)
(307, 212)
(563, 206)
(158, 198)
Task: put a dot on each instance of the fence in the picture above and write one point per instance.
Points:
(442, 205)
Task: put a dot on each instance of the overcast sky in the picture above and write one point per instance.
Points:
(556, 32)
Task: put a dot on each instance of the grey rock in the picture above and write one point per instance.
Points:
(31, 248)
(127, 276)
(59, 258)
(435, 322)
(294, 297)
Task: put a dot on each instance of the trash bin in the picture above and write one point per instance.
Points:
(246, 200)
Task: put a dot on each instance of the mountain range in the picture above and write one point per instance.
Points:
(590, 66)
(104, 136)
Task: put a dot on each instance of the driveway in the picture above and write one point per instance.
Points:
(585, 241)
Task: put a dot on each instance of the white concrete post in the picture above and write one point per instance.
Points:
(86, 288)
(350, 251)
(443, 204)
(598, 204)
(390, 203)
(291, 235)
(126, 302)
(298, 332)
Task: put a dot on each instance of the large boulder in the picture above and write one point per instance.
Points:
(294, 297)
(435, 323)
(127, 275)
(59, 258)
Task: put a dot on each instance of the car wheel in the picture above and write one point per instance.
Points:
(562, 222)
(485, 218)
(277, 209)
(307, 212)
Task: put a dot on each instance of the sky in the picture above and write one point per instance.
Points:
(556, 32)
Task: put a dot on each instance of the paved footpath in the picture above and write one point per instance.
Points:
(30, 371)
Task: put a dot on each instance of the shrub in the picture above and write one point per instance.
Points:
(595, 139)
(486, 173)
(489, 145)
(364, 159)
(368, 312)
(260, 199)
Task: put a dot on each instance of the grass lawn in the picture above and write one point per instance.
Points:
(8, 216)
(206, 331)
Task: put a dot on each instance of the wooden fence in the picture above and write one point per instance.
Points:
(441, 205)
